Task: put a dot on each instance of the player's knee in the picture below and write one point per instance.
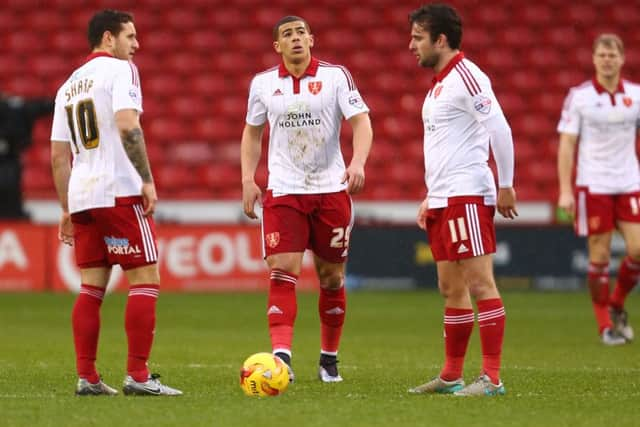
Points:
(332, 280)
(449, 290)
(288, 264)
(478, 287)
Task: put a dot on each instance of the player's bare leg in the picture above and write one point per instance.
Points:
(140, 323)
(282, 307)
(332, 309)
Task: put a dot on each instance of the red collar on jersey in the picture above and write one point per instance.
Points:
(600, 89)
(447, 68)
(311, 70)
(96, 55)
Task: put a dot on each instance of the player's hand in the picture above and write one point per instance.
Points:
(354, 176)
(65, 229)
(567, 203)
(250, 195)
(507, 202)
(149, 198)
(422, 214)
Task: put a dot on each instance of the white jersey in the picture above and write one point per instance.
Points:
(456, 144)
(85, 118)
(304, 117)
(607, 125)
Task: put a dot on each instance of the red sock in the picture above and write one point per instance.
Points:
(140, 324)
(85, 319)
(332, 305)
(627, 279)
(458, 324)
(491, 321)
(598, 281)
(282, 309)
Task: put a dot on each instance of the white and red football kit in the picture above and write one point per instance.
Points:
(607, 171)
(306, 205)
(104, 187)
(462, 120)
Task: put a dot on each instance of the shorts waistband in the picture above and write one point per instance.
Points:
(128, 200)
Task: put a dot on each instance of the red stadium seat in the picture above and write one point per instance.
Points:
(225, 18)
(167, 130)
(187, 64)
(205, 41)
(518, 37)
(535, 14)
(182, 19)
(340, 39)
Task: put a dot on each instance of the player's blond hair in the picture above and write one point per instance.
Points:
(609, 40)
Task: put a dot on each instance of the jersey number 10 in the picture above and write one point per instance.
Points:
(87, 124)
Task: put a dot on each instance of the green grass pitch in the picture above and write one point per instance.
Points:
(555, 370)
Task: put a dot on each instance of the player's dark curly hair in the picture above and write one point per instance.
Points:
(439, 18)
(106, 20)
(286, 20)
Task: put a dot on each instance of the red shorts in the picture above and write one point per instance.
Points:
(463, 229)
(118, 235)
(320, 222)
(598, 213)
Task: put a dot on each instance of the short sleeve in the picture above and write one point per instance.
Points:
(570, 117)
(256, 108)
(126, 91)
(350, 100)
(60, 128)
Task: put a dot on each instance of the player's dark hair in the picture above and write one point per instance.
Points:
(106, 20)
(439, 18)
(286, 20)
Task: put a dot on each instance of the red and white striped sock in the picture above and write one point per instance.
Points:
(598, 281)
(458, 325)
(85, 319)
(491, 320)
(140, 324)
(282, 309)
(627, 279)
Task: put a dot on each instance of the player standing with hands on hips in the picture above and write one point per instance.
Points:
(108, 199)
(462, 119)
(307, 203)
(604, 113)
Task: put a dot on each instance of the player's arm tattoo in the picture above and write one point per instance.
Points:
(134, 146)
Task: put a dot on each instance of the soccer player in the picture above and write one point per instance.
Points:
(108, 197)
(307, 203)
(603, 115)
(462, 119)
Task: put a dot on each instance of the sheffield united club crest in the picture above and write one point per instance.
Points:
(315, 87)
(273, 239)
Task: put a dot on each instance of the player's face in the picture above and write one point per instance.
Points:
(294, 42)
(126, 43)
(607, 61)
(422, 47)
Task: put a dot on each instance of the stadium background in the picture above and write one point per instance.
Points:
(196, 61)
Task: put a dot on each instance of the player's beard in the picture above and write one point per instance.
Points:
(430, 61)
